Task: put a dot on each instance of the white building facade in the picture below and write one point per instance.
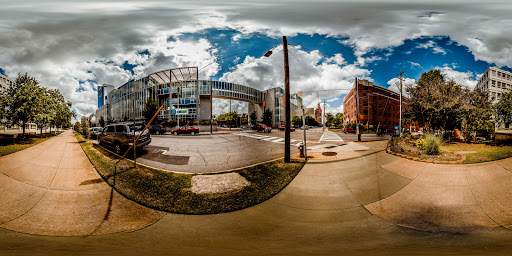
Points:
(495, 82)
(5, 83)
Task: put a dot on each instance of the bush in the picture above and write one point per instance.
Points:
(431, 144)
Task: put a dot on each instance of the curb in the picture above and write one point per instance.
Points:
(340, 160)
(417, 159)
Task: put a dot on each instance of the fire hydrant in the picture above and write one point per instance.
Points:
(301, 149)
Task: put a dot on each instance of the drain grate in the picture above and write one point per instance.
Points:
(329, 153)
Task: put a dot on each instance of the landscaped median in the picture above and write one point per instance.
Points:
(449, 152)
(172, 192)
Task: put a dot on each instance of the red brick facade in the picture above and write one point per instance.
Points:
(376, 105)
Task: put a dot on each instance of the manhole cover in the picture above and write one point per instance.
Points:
(329, 153)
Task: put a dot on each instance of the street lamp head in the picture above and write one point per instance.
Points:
(268, 54)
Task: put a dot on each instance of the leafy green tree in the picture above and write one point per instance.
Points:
(477, 113)
(230, 118)
(84, 126)
(297, 121)
(150, 109)
(310, 121)
(102, 121)
(435, 103)
(338, 120)
(503, 109)
(253, 117)
(267, 117)
(76, 127)
(46, 108)
(21, 100)
(329, 119)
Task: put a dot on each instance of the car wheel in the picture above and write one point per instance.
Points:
(118, 148)
(157, 133)
(175, 133)
(193, 133)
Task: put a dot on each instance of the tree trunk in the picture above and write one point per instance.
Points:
(23, 130)
(41, 128)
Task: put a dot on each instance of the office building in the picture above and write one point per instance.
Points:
(495, 82)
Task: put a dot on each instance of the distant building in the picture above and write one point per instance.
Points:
(5, 83)
(378, 106)
(495, 82)
(318, 114)
(185, 98)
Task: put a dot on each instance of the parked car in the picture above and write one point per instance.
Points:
(349, 130)
(304, 127)
(281, 128)
(157, 129)
(121, 137)
(95, 132)
(263, 128)
(244, 127)
(186, 130)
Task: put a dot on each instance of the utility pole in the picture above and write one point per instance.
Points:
(211, 106)
(357, 112)
(400, 125)
(324, 117)
(287, 103)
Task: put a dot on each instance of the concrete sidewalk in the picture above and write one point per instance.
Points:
(53, 189)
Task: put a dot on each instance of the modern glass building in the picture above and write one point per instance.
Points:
(186, 98)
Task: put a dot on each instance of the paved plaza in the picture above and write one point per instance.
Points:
(369, 205)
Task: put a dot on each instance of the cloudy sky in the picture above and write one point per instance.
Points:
(77, 45)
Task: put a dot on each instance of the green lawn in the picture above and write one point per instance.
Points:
(18, 146)
(170, 192)
(485, 152)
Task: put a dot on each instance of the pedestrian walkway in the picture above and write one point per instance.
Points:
(269, 138)
(53, 189)
(330, 137)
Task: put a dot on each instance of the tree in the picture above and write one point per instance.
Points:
(150, 109)
(231, 117)
(503, 109)
(477, 112)
(297, 121)
(267, 117)
(84, 126)
(310, 121)
(434, 102)
(102, 121)
(253, 117)
(76, 127)
(338, 120)
(21, 100)
(329, 119)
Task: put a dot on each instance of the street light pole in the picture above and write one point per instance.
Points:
(400, 125)
(287, 102)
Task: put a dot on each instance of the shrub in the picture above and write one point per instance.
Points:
(431, 144)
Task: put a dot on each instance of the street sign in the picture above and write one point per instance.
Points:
(178, 112)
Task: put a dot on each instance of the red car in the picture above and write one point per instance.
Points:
(186, 130)
(281, 128)
(349, 130)
(263, 128)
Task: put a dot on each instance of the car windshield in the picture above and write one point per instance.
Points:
(138, 127)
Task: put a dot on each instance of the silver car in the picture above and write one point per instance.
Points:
(121, 137)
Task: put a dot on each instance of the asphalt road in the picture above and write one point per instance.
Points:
(224, 150)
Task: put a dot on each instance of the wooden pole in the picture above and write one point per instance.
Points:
(287, 102)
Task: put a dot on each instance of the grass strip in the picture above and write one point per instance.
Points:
(485, 152)
(171, 192)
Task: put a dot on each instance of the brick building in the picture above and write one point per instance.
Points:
(378, 106)
(318, 114)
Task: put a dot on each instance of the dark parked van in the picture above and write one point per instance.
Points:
(121, 137)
